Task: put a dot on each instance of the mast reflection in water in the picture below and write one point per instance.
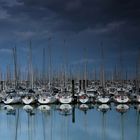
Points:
(68, 122)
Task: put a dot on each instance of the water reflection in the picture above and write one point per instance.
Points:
(62, 122)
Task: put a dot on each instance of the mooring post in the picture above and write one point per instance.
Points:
(1, 85)
(80, 83)
(87, 82)
(73, 91)
(84, 85)
(73, 114)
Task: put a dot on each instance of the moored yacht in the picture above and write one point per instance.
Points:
(103, 98)
(92, 94)
(29, 97)
(83, 97)
(12, 98)
(121, 97)
(65, 98)
(46, 97)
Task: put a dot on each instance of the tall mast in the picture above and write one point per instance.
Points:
(85, 67)
(65, 63)
(44, 66)
(15, 65)
(30, 65)
(50, 66)
(95, 76)
(121, 67)
(102, 67)
(138, 72)
(8, 78)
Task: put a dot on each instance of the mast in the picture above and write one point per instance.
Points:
(85, 68)
(50, 66)
(44, 66)
(30, 65)
(102, 68)
(15, 66)
(8, 75)
(138, 70)
(121, 68)
(65, 64)
(95, 75)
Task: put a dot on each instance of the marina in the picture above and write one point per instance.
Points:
(46, 87)
(94, 93)
(68, 105)
(70, 69)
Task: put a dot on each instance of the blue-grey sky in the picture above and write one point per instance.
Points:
(82, 23)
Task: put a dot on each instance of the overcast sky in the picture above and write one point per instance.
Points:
(90, 24)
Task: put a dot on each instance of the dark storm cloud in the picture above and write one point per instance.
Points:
(77, 14)
(81, 13)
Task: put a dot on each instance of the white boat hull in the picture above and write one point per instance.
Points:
(44, 99)
(122, 100)
(138, 99)
(11, 100)
(83, 98)
(65, 99)
(28, 100)
(103, 100)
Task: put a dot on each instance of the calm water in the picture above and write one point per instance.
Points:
(17, 123)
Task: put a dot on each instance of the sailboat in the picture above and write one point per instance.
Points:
(47, 96)
(11, 96)
(102, 98)
(137, 82)
(121, 97)
(29, 96)
(83, 97)
(44, 98)
(65, 97)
